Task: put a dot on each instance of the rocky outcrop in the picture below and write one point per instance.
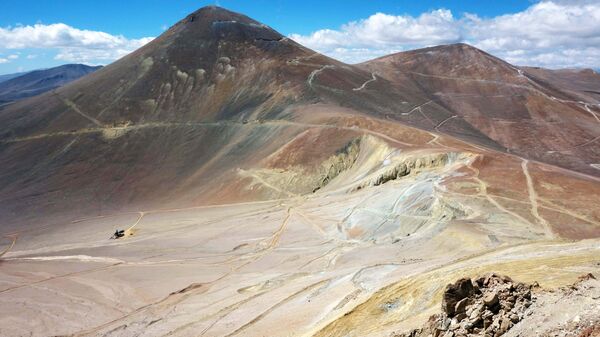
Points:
(593, 331)
(338, 163)
(487, 306)
(411, 163)
(569, 311)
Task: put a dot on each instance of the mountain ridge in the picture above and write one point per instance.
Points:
(36, 82)
(6, 77)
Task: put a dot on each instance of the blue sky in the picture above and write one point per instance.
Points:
(97, 32)
(135, 18)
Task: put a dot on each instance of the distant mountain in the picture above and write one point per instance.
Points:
(4, 78)
(583, 83)
(19, 86)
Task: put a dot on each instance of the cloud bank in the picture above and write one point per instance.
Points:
(72, 44)
(554, 34)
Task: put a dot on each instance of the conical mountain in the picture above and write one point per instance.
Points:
(171, 121)
(207, 65)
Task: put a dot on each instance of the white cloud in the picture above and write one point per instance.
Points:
(13, 57)
(384, 31)
(75, 45)
(355, 55)
(559, 33)
(549, 33)
(31, 56)
(3, 60)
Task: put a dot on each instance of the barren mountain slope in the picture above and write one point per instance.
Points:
(584, 83)
(526, 115)
(161, 123)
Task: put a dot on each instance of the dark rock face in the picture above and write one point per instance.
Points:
(455, 296)
(487, 306)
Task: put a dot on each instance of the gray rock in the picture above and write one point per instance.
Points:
(490, 299)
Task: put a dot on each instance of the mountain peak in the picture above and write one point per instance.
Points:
(217, 23)
(216, 13)
(460, 54)
(459, 47)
